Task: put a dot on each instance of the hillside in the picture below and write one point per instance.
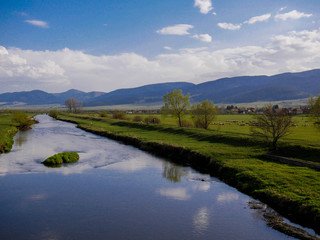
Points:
(244, 89)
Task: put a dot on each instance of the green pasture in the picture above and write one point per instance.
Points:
(303, 133)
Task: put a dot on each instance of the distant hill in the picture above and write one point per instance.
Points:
(79, 95)
(286, 86)
(38, 97)
(245, 89)
(34, 97)
(140, 95)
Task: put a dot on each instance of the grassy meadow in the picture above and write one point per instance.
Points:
(290, 189)
(303, 133)
(7, 131)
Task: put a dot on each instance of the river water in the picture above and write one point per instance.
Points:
(115, 191)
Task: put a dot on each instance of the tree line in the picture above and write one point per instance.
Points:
(273, 124)
(177, 104)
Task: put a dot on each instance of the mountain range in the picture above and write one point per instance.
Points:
(244, 89)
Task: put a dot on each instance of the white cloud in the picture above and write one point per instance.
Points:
(204, 5)
(292, 15)
(203, 37)
(55, 71)
(178, 29)
(260, 18)
(229, 26)
(38, 23)
(167, 48)
(283, 8)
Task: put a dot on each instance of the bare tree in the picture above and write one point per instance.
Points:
(68, 104)
(73, 105)
(272, 124)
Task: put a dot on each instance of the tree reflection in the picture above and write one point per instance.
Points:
(173, 172)
(20, 138)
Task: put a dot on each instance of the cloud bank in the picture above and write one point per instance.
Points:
(56, 71)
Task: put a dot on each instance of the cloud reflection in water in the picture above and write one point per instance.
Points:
(201, 220)
(175, 193)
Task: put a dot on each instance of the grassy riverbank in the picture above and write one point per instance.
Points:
(7, 132)
(8, 129)
(234, 158)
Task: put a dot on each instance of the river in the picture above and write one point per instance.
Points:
(115, 191)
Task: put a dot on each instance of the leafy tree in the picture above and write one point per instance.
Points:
(314, 104)
(119, 115)
(272, 125)
(54, 113)
(23, 120)
(203, 114)
(104, 113)
(176, 103)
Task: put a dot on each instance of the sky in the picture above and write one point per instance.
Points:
(104, 45)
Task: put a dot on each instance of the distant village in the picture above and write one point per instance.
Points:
(232, 109)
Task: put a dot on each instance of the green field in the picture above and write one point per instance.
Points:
(290, 189)
(7, 131)
(304, 133)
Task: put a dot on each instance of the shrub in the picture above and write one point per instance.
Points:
(54, 113)
(152, 120)
(58, 159)
(104, 113)
(24, 122)
(119, 115)
(186, 123)
(138, 119)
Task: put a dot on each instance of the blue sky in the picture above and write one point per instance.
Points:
(105, 45)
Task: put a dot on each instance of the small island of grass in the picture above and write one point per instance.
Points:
(58, 159)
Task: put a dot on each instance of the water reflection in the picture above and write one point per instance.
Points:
(173, 172)
(203, 186)
(50, 137)
(38, 197)
(133, 165)
(20, 138)
(201, 220)
(122, 193)
(227, 197)
(175, 193)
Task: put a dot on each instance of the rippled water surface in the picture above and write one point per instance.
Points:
(114, 192)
